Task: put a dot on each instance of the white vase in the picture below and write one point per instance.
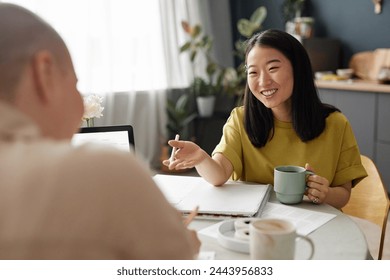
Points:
(205, 105)
(301, 27)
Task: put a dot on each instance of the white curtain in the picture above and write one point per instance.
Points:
(127, 52)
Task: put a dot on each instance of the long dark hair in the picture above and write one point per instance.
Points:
(308, 112)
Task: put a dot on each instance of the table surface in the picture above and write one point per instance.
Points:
(338, 239)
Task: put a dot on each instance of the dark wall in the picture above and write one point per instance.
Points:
(353, 22)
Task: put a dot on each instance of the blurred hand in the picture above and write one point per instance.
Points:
(318, 187)
(195, 242)
(187, 155)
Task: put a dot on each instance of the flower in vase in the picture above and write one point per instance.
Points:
(92, 108)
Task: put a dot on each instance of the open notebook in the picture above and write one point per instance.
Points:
(234, 199)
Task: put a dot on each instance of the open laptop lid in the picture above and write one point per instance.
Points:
(119, 136)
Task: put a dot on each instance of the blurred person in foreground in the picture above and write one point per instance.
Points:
(63, 202)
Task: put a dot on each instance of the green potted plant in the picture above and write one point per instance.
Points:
(205, 94)
(292, 9)
(235, 78)
(208, 84)
(301, 27)
(180, 116)
(220, 80)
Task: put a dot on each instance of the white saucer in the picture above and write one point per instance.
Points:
(226, 238)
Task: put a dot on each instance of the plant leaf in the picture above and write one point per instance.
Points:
(181, 103)
(193, 55)
(188, 119)
(170, 104)
(185, 47)
(211, 68)
(240, 47)
(259, 16)
(186, 26)
(196, 31)
(207, 42)
(244, 26)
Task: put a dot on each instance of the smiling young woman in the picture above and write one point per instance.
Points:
(282, 122)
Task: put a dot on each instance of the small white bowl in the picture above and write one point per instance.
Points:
(345, 73)
(320, 74)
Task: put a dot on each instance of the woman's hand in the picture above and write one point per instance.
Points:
(187, 155)
(215, 170)
(318, 187)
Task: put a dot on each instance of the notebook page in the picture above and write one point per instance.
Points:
(234, 198)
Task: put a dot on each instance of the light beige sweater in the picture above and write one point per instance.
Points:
(61, 202)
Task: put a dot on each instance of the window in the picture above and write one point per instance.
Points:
(116, 45)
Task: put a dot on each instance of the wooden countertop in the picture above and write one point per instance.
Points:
(354, 85)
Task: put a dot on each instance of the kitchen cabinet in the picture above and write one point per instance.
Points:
(367, 107)
(384, 118)
(383, 138)
(359, 108)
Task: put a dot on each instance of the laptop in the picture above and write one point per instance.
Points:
(118, 136)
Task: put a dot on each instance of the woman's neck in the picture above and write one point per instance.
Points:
(282, 114)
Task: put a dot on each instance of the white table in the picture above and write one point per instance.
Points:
(338, 239)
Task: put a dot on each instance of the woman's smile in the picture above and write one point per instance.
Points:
(269, 92)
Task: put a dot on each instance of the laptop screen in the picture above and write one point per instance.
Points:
(120, 137)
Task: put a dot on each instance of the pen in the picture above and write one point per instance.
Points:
(191, 216)
(174, 149)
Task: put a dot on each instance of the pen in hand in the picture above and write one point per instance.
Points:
(191, 216)
(174, 149)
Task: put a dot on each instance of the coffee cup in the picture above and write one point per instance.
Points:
(290, 183)
(274, 239)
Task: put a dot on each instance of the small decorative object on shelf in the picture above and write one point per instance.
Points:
(296, 25)
(92, 109)
(378, 6)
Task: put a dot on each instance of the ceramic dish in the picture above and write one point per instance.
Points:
(226, 238)
(345, 73)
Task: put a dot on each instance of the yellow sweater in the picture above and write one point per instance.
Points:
(334, 154)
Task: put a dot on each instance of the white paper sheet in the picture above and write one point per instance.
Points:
(306, 221)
